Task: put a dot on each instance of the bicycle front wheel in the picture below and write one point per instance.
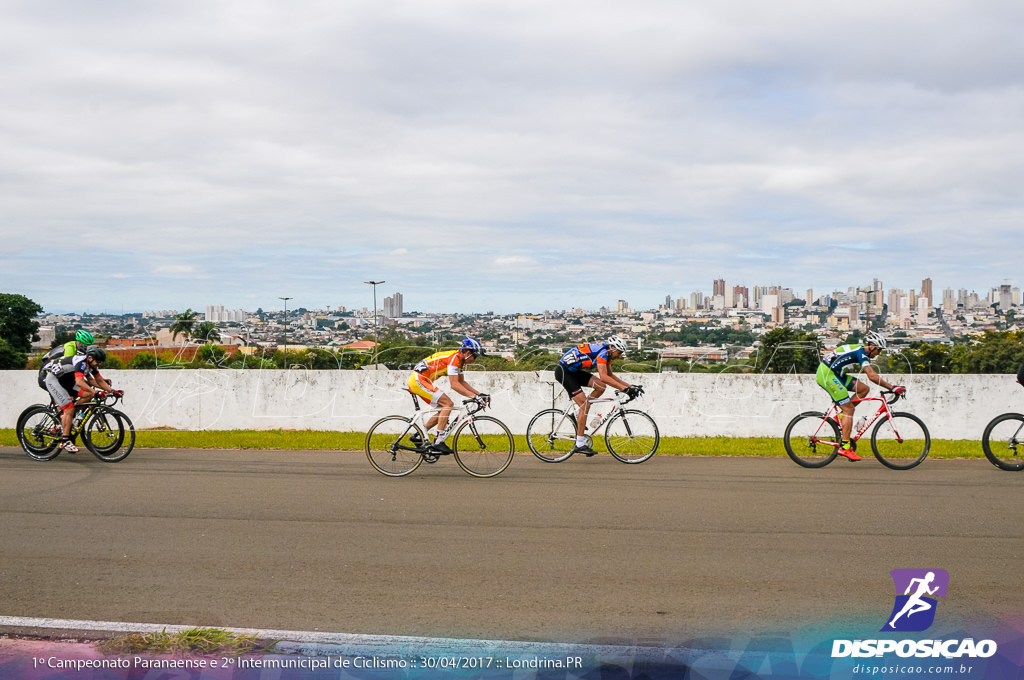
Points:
(483, 446)
(389, 447)
(551, 435)
(901, 441)
(110, 435)
(632, 436)
(39, 432)
(1002, 439)
(812, 440)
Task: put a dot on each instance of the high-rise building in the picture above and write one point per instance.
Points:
(696, 300)
(622, 307)
(926, 289)
(922, 309)
(904, 313)
(949, 301)
(1005, 297)
(719, 287)
(393, 306)
(895, 294)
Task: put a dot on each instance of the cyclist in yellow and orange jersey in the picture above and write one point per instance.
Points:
(421, 383)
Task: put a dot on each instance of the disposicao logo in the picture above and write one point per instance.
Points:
(914, 609)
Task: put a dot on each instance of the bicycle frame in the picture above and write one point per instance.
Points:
(459, 414)
(883, 408)
(590, 429)
(82, 413)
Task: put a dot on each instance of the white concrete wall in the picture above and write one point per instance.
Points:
(683, 404)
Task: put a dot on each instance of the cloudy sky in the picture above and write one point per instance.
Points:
(505, 155)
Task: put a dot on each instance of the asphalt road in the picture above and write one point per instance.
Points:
(590, 550)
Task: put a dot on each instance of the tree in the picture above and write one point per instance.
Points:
(784, 350)
(183, 324)
(10, 360)
(17, 321)
(207, 332)
(143, 360)
(62, 338)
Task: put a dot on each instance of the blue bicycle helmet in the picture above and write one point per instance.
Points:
(473, 345)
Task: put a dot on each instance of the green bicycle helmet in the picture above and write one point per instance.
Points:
(85, 337)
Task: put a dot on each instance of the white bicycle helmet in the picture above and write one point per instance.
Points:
(615, 342)
(876, 339)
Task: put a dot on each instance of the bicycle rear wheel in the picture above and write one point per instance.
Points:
(632, 436)
(901, 441)
(39, 432)
(483, 446)
(812, 440)
(389, 449)
(551, 435)
(110, 435)
(1003, 441)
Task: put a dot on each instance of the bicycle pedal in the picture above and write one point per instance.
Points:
(431, 457)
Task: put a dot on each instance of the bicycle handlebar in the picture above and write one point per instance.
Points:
(104, 398)
(629, 398)
(895, 397)
(481, 401)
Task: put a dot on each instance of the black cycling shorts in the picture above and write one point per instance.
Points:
(572, 381)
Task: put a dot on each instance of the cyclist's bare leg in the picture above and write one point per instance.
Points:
(441, 417)
(860, 390)
(581, 412)
(846, 422)
(597, 389)
(66, 416)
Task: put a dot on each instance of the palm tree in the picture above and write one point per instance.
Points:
(184, 324)
(206, 332)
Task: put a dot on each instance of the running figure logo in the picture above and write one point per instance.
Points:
(914, 610)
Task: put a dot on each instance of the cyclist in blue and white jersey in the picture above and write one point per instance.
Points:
(571, 372)
(835, 376)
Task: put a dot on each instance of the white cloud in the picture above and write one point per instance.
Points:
(293, 144)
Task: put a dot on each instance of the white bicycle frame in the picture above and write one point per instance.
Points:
(590, 429)
(423, 413)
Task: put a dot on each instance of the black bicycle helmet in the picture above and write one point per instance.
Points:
(96, 352)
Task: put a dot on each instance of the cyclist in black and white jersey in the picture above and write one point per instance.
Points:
(78, 375)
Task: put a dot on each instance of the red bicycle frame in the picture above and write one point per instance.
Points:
(835, 411)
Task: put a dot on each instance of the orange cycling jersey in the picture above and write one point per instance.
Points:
(440, 363)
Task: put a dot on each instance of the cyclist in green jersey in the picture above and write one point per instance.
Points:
(83, 339)
(835, 376)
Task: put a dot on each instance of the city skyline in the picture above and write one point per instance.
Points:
(164, 155)
(723, 295)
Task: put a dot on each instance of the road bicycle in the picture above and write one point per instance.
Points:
(1002, 437)
(899, 441)
(631, 435)
(107, 432)
(481, 445)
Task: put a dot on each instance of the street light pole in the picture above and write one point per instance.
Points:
(376, 339)
(286, 299)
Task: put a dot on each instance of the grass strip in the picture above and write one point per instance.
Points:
(354, 441)
(198, 641)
